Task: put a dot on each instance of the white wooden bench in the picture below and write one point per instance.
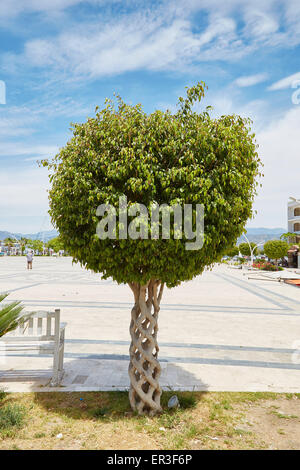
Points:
(41, 332)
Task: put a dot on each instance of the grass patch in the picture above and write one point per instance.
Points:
(11, 417)
(39, 435)
(100, 412)
(281, 431)
(104, 420)
(244, 397)
(186, 399)
(169, 421)
(283, 415)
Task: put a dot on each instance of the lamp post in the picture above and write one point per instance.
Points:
(252, 249)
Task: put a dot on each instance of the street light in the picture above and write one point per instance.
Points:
(252, 249)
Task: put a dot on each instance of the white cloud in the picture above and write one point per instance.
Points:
(11, 127)
(136, 41)
(260, 24)
(23, 192)
(279, 150)
(270, 23)
(230, 101)
(251, 80)
(10, 8)
(279, 146)
(286, 82)
(161, 37)
(25, 120)
(9, 149)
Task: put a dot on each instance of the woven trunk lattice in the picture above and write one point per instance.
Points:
(144, 368)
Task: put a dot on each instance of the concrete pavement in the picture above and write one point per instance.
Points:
(220, 331)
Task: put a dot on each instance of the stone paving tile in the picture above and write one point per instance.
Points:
(221, 331)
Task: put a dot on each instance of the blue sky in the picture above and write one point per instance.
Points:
(61, 58)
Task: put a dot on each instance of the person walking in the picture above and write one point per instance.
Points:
(29, 260)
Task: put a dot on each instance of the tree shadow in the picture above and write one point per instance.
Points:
(114, 405)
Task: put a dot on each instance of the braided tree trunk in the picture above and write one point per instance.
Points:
(144, 368)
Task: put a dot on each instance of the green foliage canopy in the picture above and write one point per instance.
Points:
(9, 241)
(276, 249)
(182, 158)
(55, 244)
(35, 245)
(287, 236)
(231, 252)
(245, 249)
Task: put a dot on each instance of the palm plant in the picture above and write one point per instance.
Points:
(23, 242)
(10, 315)
(9, 242)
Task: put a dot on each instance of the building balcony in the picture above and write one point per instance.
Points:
(294, 218)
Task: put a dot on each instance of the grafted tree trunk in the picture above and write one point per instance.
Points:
(144, 368)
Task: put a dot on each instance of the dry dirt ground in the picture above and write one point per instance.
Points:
(103, 420)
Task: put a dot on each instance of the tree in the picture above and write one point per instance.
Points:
(289, 237)
(23, 242)
(36, 245)
(56, 244)
(245, 249)
(163, 158)
(234, 251)
(10, 315)
(9, 242)
(276, 249)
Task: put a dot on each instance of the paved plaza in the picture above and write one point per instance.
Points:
(220, 331)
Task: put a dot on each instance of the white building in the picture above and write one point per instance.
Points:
(294, 215)
(294, 227)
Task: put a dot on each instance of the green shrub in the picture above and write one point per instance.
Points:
(245, 249)
(100, 412)
(187, 401)
(276, 249)
(11, 416)
(234, 251)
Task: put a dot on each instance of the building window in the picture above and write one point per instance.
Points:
(297, 227)
(297, 212)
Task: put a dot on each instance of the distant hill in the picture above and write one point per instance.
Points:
(261, 234)
(262, 230)
(45, 236)
(4, 235)
(256, 235)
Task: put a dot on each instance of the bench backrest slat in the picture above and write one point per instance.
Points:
(30, 327)
(22, 327)
(40, 325)
(48, 332)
